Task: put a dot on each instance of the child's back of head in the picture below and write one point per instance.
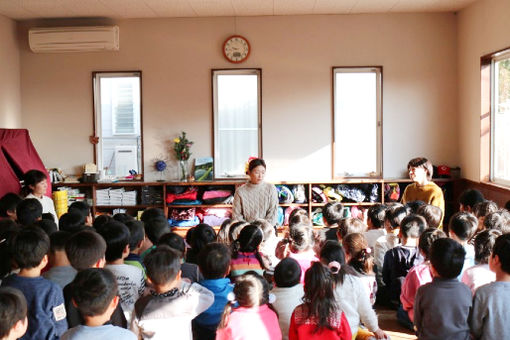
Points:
(203, 234)
(235, 229)
(301, 237)
(72, 222)
(116, 236)
(469, 198)
(249, 239)
(8, 204)
(361, 257)
(85, 249)
(432, 214)
(447, 257)
(502, 251)
(155, 228)
(499, 220)
(162, 265)
(266, 227)
(174, 241)
(123, 218)
(13, 313)
(100, 221)
(7, 235)
(350, 225)
(395, 214)
(31, 245)
(412, 226)
(332, 213)
(136, 234)
(287, 273)
(463, 225)
(58, 241)
(48, 226)
(484, 243)
(414, 206)
(482, 209)
(83, 209)
(151, 213)
(93, 291)
(376, 215)
(214, 261)
(222, 236)
(28, 211)
(428, 237)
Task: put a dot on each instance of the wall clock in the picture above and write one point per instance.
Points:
(236, 49)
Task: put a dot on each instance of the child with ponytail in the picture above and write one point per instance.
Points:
(360, 258)
(350, 293)
(319, 316)
(253, 318)
(245, 252)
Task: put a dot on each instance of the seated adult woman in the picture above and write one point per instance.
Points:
(256, 199)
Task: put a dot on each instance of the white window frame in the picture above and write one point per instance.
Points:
(379, 140)
(494, 88)
(216, 149)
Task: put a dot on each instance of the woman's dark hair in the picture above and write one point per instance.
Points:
(484, 243)
(301, 237)
(249, 241)
(319, 298)
(428, 237)
(31, 178)
(362, 259)
(250, 290)
(422, 162)
(255, 163)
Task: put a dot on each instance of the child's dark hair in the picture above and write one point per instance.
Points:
(100, 221)
(299, 219)
(319, 297)
(422, 162)
(484, 243)
(333, 212)
(498, 220)
(28, 211)
(298, 211)
(248, 241)
(7, 236)
(395, 214)
(301, 237)
(49, 226)
(136, 233)
(162, 265)
(432, 214)
(214, 261)
(31, 178)
(362, 259)
(332, 252)
(93, 290)
(267, 229)
(123, 218)
(287, 273)
(151, 213)
(447, 257)
(412, 226)
(255, 163)
(13, 308)
(58, 240)
(116, 236)
(470, 197)
(80, 207)
(250, 290)
(8, 203)
(482, 209)
(30, 246)
(203, 234)
(507, 205)
(72, 222)
(235, 229)
(174, 241)
(351, 225)
(463, 225)
(376, 214)
(428, 237)
(502, 250)
(84, 249)
(155, 228)
(414, 206)
(222, 235)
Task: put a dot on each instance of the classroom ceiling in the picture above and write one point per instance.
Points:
(123, 9)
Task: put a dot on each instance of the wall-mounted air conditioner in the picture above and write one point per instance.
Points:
(74, 39)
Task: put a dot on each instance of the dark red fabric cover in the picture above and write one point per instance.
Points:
(17, 152)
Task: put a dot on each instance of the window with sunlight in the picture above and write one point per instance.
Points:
(237, 120)
(500, 119)
(357, 137)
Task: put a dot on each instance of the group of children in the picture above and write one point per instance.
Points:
(118, 278)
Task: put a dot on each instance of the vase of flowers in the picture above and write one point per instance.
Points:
(182, 147)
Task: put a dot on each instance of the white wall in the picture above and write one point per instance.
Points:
(296, 53)
(482, 28)
(10, 102)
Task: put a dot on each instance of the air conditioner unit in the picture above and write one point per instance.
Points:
(74, 39)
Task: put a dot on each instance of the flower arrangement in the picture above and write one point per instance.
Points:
(182, 147)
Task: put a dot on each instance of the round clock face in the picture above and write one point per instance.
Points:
(236, 49)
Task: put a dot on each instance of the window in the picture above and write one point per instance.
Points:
(117, 118)
(357, 136)
(500, 118)
(237, 120)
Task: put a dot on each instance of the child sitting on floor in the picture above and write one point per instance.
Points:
(461, 228)
(94, 291)
(13, 314)
(432, 214)
(8, 204)
(61, 271)
(375, 223)
(189, 271)
(254, 317)
(168, 310)
(245, 252)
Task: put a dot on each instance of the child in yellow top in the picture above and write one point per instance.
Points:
(422, 189)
